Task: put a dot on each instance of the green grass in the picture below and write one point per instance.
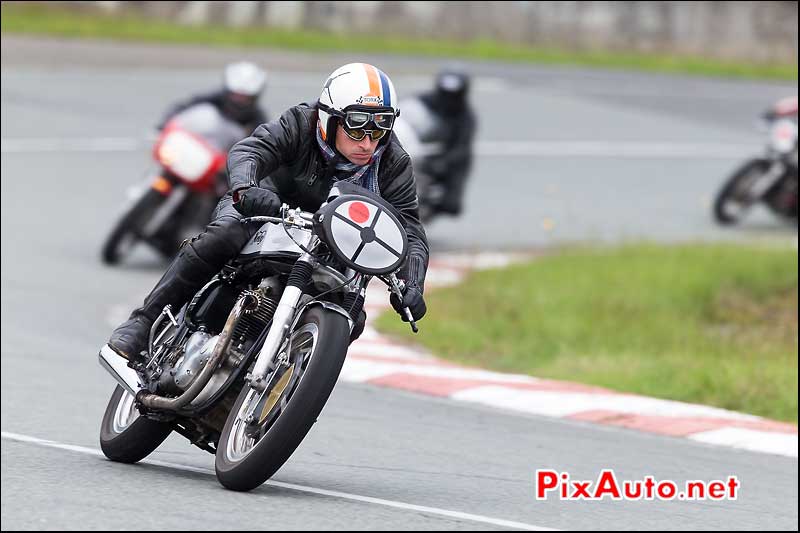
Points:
(710, 324)
(55, 21)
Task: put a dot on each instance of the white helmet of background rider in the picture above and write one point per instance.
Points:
(357, 87)
(245, 78)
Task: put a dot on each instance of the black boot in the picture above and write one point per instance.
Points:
(181, 280)
(131, 337)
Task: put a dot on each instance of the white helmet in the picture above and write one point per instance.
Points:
(245, 78)
(355, 86)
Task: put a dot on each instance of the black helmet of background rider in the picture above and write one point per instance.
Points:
(452, 89)
(243, 84)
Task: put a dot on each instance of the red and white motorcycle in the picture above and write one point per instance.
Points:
(191, 153)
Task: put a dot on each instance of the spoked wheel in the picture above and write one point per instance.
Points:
(128, 230)
(735, 198)
(125, 436)
(263, 429)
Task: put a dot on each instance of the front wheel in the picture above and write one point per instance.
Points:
(125, 436)
(263, 429)
(128, 230)
(736, 198)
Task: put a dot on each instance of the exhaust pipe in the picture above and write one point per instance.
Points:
(127, 377)
(154, 401)
(118, 367)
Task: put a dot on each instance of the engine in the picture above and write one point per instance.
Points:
(254, 320)
(198, 348)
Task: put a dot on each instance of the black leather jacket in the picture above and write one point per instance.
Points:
(283, 156)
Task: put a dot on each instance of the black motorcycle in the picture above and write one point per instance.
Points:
(771, 179)
(244, 369)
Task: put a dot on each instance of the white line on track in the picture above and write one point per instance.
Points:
(76, 144)
(300, 488)
(616, 149)
(577, 148)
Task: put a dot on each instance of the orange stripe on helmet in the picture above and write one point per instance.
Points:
(374, 81)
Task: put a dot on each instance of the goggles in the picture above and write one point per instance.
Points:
(359, 119)
(359, 133)
(356, 123)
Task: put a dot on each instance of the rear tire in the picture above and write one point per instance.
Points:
(244, 470)
(126, 437)
(732, 201)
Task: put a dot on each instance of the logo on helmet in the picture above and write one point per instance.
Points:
(369, 100)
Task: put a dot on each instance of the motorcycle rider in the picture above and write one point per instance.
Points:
(345, 135)
(448, 101)
(237, 100)
(783, 108)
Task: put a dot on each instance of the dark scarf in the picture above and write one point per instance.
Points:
(365, 176)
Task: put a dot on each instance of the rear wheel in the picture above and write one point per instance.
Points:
(736, 198)
(125, 436)
(263, 429)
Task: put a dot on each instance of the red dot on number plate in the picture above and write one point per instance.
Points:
(358, 212)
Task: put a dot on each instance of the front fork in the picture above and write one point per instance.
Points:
(281, 321)
(767, 180)
(286, 315)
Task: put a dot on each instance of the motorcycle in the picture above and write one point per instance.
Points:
(771, 179)
(191, 152)
(422, 137)
(244, 369)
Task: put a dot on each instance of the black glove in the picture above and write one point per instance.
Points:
(255, 201)
(412, 298)
(413, 272)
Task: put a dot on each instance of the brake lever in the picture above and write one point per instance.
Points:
(397, 286)
(263, 218)
(247, 220)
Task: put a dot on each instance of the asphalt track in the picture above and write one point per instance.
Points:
(597, 156)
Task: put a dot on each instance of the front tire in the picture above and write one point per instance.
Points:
(125, 436)
(128, 230)
(733, 200)
(249, 454)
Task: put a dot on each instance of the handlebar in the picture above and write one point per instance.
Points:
(292, 217)
(303, 220)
